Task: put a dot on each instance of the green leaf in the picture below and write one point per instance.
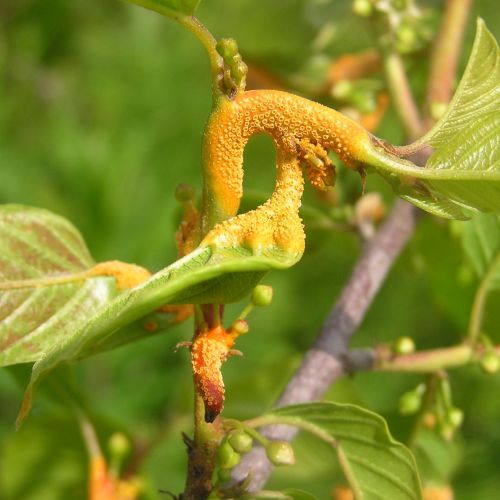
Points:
(44, 295)
(170, 8)
(376, 466)
(478, 93)
(288, 494)
(464, 169)
(481, 243)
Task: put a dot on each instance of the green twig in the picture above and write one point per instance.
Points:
(444, 57)
(479, 303)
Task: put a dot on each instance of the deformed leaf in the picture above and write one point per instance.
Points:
(44, 293)
(481, 242)
(374, 464)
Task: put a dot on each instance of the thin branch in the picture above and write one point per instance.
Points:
(402, 96)
(444, 57)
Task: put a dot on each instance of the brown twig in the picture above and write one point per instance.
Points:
(327, 360)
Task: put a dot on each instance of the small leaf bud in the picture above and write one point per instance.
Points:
(119, 445)
(241, 441)
(490, 362)
(228, 458)
(280, 453)
(362, 8)
(184, 192)
(262, 295)
(404, 345)
(227, 48)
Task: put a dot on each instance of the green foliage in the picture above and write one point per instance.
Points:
(373, 462)
(481, 242)
(38, 313)
(464, 169)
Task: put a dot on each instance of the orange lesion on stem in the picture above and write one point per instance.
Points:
(209, 351)
(290, 120)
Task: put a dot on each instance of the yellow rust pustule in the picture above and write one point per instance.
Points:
(276, 223)
(288, 119)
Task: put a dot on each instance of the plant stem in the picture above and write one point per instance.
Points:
(427, 361)
(401, 94)
(202, 453)
(209, 42)
(444, 57)
(476, 316)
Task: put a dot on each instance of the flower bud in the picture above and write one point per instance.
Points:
(262, 295)
(280, 453)
(227, 48)
(362, 8)
(410, 402)
(241, 441)
(455, 417)
(119, 445)
(490, 362)
(404, 345)
(228, 458)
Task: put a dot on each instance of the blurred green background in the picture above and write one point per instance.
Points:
(102, 108)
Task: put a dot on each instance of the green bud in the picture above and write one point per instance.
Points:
(224, 475)
(410, 402)
(362, 8)
(455, 417)
(404, 345)
(490, 362)
(407, 39)
(241, 441)
(262, 295)
(119, 445)
(227, 48)
(280, 453)
(184, 192)
(239, 72)
(228, 458)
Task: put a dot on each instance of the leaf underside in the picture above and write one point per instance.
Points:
(375, 465)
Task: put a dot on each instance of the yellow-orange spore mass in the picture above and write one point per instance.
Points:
(275, 223)
(208, 352)
(126, 275)
(287, 118)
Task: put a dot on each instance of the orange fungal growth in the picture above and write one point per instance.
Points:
(288, 119)
(276, 223)
(126, 275)
(208, 352)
